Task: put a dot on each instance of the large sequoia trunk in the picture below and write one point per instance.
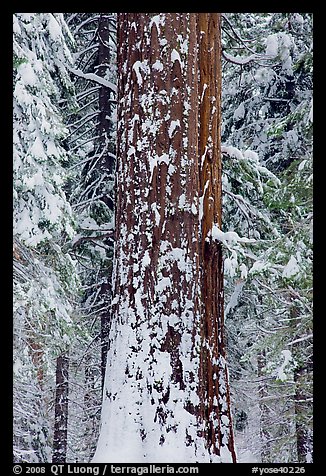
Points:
(166, 395)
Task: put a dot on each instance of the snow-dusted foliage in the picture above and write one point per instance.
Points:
(267, 122)
(90, 118)
(41, 210)
(45, 280)
(268, 102)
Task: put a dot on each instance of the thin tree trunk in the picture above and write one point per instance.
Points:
(166, 392)
(265, 419)
(303, 404)
(302, 376)
(107, 163)
(299, 405)
(61, 411)
(105, 142)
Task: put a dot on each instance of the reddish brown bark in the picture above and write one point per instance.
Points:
(168, 198)
(210, 173)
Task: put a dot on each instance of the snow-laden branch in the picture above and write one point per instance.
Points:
(80, 239)
(94, 77)
(301, 339)
(236, 34)
(79, 54)
(241, 60)
(92, 20)
(228, 237)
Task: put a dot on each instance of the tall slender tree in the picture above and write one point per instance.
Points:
(61, 411)
(92, 147)
(166, 394)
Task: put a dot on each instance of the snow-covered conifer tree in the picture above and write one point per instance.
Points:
(267, 93)
(45, 277)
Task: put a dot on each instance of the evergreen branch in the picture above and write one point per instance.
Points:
(95, 78)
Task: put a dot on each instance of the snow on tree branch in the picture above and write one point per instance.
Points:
(94, 77)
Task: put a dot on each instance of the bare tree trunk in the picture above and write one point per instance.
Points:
(299, 404)
(265, 418)
(166, 392)
(302, 376)
(61, 411)
(105, 144)
(107, 163)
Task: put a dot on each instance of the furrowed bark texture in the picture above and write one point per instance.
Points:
(166, 392)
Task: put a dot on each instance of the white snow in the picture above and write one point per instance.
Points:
(239, 113)
(51, 148)
(16, 27)
(172, 127)
(287, 355)
(182, 200)
(163, 158)
(231, 264)
(246, 456)
(225, 455)
(302, 164)
(155, 161)
(175, 56)
(22, 95)
(292, 138)
(27, 74)
(157, 20)
(244, 271)
(158, 65)
(309, 458)
(310, 116)
(228, 236)
(146, 259)
(96, 78)
(139, 305)
(251, 155)
(157, 214)
(203, 92)
(258, 266)
(36, 179)
(201, 202)
(241, 60)
(291, 268)
(204, 155)
(272, 45)
(37, 149)
(225, 420)
(163, 283)
(171, 169)
(232, 152)
(234, 299)
(54, 28)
